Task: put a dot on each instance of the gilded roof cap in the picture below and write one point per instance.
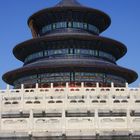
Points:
(71, 3)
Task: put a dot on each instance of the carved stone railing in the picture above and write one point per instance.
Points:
(70, 110)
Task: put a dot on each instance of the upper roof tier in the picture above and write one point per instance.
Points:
(69, 10)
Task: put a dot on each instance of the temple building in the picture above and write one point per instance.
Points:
(67, 47)
(70, 86)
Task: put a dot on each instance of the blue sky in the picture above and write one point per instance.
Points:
(125, 15)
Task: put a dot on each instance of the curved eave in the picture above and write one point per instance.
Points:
(127, 74)
(21, 51)
(92, 15)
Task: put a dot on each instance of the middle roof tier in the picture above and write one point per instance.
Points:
(87, 42)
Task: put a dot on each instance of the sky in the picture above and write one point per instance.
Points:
(125, 27)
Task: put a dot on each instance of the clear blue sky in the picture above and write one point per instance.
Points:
(125, 27)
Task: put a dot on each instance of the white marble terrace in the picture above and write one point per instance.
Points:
(71, 111)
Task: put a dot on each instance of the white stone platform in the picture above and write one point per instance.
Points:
(70, 112)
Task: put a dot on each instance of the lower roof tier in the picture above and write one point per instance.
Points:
(23, 50)
(70, 65)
